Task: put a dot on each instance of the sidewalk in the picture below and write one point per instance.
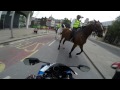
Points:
(101, 41)
(101, 58)
(5, 35)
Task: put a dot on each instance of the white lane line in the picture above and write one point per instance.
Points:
(7, 77)
(51, 42)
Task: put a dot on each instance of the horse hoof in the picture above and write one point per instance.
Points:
(58, 48)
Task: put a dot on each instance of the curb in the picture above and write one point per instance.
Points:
(22, 38)
(105, 43)
(94, 65)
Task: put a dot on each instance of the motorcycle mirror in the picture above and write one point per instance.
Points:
(31, 61)
(115, 65)
(83, 68)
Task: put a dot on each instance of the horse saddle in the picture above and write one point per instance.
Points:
(75, 32)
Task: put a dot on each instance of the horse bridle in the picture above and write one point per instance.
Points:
(95, 28)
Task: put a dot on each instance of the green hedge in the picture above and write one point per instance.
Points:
(35, 26)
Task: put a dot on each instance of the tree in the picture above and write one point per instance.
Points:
(43, 21)
(22, 20)
(67, 22)
(113, 34)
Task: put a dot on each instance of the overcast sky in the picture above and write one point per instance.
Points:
(97, 15)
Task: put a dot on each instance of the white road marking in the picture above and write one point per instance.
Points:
(16, 41)
(25, 39)
(33, 49)
(51, 43)
(35, 37)
(20, 45)
(76, 73)
(7, 77)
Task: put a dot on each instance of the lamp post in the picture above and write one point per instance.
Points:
(11, 24)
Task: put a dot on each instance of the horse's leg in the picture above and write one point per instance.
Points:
(70, 56)
(81, 47)
(55, 35)
(59, 36)
(59, 43)
(64, 43)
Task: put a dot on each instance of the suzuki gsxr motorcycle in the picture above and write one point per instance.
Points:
(53, 70)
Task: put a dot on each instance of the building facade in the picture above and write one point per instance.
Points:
(5, 18)
(50, 22)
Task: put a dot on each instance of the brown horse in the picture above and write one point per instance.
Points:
(81, 36)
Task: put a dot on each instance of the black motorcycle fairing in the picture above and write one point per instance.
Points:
(58, 71)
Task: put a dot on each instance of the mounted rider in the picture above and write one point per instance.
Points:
(76, 23)
(58, 25)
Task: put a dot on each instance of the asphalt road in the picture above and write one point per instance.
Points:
(113, 50)
(45, 49)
